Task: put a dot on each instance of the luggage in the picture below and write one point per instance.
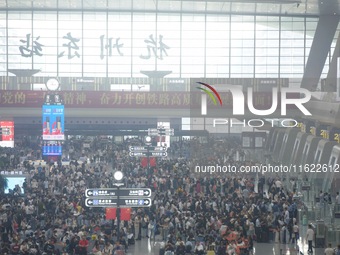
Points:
(161, 251)
(131, 239)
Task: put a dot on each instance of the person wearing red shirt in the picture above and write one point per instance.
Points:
(83, 244)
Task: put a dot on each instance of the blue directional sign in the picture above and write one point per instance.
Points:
(148, 153)
(123, 192)
(147, 148)
(113, 201)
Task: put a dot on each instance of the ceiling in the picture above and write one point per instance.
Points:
(243, 7)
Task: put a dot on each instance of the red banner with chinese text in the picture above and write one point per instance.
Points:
(124, 99)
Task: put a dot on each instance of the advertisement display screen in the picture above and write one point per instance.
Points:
(53, 122)
(52, 148)
(7, 134)
(15, 183)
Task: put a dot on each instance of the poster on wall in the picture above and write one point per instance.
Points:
(7, 134)
(53, 122)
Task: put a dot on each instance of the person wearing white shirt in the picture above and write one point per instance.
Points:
(295, 233)
(329, 250)
(310, 238)
(337, 198)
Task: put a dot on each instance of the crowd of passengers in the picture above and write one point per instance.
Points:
(190, 213)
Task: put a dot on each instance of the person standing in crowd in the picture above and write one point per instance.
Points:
(310, 238)
(83, 244)
(337, 199)
(138, 227)
(329, 250)
(295, 236)
(108, 249)
(337, 250)
(185, 207)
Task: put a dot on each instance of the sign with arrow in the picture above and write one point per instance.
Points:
(147, 148)
(148, 154)
(123, 192)
(123, 202)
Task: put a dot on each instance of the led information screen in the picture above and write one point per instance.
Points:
(53, 122)
(6, 134)
(52, 148)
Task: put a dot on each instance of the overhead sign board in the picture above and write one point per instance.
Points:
(123, 192)
(148, 154)
(112, 202)
(147, 148)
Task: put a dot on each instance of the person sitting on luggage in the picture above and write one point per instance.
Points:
(118, 246)
(199, 249)
(180, 250)
(169, 248)
(188, 246)
(123, 242)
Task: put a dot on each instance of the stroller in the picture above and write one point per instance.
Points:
(131, 239)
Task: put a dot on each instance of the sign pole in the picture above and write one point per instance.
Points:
(118, 175)
(118, 215)
(149, 172)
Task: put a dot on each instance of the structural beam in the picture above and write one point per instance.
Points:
(322, 41)
(331, 80)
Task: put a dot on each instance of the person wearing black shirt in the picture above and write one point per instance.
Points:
(180, 250)
(169, 247)
(5, 248)
(49, 247)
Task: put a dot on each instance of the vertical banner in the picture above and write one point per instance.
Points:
(7, 134)
(144, 161)
(110, 213)
(53, 122)
(125, 214)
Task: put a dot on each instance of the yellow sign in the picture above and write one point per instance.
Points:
(337, 137)
(324, 133)
(302, 127)
(312, 130)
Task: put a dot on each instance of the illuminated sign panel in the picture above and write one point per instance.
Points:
(7, 134)
(53, 122)
(52, 148)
